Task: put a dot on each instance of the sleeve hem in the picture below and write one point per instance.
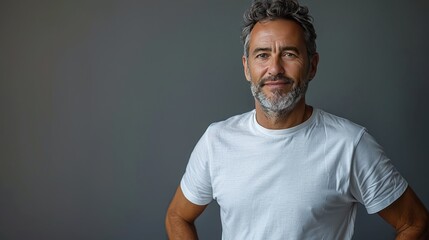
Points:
(191, 197)
(387, 201)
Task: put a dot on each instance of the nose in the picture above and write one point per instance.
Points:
(276, 67)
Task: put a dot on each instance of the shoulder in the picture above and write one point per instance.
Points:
(235, 123)
(338, 126)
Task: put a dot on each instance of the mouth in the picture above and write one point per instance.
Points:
(276, 83)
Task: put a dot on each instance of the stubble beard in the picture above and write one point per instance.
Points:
(280, 103)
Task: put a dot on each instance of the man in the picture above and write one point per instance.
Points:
(287, 170)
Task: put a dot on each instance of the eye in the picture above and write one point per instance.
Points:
(262, 56)
(289, 55)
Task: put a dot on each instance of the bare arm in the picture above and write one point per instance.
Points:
(408, 216)
(180, 218)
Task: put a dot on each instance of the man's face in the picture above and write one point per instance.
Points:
(278, 66)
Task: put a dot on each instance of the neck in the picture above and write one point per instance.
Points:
(299, 114)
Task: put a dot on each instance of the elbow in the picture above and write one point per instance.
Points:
(170, 218)
(425, 227)
(423, 224)
(418, 229)
(179, 228)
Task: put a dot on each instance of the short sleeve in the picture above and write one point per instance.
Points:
(374, 182)
(196, 182)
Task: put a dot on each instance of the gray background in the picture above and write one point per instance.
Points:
(102, 102)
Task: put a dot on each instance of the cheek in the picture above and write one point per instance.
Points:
(297, 71)
(256, 72)
(255, 76)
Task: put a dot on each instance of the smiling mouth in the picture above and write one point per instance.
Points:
(276, 83)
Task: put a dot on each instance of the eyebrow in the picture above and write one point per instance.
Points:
(268, 49)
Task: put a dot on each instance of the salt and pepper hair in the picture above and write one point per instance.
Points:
(268, 10)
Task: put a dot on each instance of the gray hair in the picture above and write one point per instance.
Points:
(262, 10)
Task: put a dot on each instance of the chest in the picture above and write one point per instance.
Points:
(285, 177)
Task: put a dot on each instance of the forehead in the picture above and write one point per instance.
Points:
(279, 31)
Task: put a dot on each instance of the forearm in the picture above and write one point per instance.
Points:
(178, 228)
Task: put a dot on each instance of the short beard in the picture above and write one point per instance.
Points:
(280, 104)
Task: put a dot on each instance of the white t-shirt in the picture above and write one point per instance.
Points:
(296, 183)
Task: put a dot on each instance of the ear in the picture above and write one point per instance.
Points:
(246, 68)
(314, 61)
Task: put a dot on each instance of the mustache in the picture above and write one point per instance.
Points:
(281, 78)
